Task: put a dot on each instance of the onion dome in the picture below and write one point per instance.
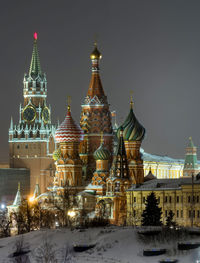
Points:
(68, 131)
(95, 53)
(57, 154)
(132, 129)
(102, 153)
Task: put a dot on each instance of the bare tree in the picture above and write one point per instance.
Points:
(5, 224)
(64, 203)
(46, 253)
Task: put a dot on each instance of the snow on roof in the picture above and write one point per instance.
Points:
(163, 184)
(156, 158)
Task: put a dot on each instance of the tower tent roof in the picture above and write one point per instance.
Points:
(35, 68)
(18, 200)
(68, 131)
(191, 144)
(95, 87)
(120, 163)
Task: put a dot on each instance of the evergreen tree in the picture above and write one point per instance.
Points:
(169, 221)
(151, 216)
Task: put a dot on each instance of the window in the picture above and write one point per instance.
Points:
(189, 213)
(165, 213)
(197, 199)
(188, 199)
(194, 213)
(198, 213)
(134, 213)
(18, 146)
(177, 213)
(182, 213)
(165, 199)
(26, 146)
(177, 199)
(143, 199)
(134, 199)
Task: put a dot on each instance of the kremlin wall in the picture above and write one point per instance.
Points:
(103, 163)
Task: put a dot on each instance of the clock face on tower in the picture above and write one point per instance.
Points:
(29, 113)
(45, 114)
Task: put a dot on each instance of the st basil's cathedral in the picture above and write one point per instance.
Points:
(98, 160)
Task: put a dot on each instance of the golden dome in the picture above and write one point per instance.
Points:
(95, 53)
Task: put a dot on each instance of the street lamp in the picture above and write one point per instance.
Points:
(71, 213)
(31, 199)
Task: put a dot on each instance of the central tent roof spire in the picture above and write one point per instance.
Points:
(35, 68)
(95, 87)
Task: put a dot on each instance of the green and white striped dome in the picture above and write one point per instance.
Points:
(102, 153)
(132, 129)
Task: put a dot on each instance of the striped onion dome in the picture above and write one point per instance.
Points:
(102, 153)
(68, 131)
(132, 129)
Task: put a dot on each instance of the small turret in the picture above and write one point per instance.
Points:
(18, 200)
(191, 166)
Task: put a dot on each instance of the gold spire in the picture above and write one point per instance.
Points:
(131, 103)
(18, 186)
(95, 53)
(68, 103)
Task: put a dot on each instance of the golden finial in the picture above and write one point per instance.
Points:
(131, 103)
(95, 54)
(101, 137)
(68, 103)
(18, 186)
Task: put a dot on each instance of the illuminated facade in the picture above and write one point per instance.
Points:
(105, 166)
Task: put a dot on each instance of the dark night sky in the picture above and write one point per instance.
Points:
(149, 47)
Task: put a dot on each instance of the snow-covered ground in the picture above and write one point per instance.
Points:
(113, 245)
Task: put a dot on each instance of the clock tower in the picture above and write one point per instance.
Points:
(31, 141)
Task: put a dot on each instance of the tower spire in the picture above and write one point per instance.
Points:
(131, 102)
(68, 103)
(95, 88)
(35, 68)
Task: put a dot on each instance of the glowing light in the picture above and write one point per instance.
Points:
(3, 206)
(35, 36)
(31, 199)
(71, 213)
